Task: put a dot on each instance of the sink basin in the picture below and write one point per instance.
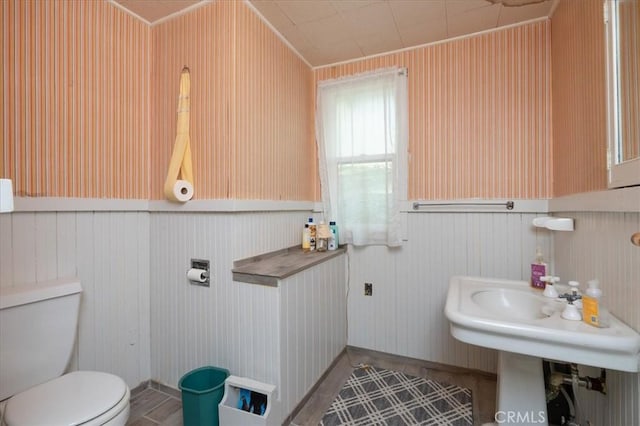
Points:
(511, 316)
(512, 304)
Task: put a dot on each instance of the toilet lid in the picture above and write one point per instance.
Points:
(72, 399)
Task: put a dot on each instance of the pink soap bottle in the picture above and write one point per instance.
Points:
(538, 270)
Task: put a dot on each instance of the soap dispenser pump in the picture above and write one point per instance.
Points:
(549, 290)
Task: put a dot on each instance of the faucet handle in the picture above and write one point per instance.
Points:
(570, 297)
(571, 311)
(549, 289)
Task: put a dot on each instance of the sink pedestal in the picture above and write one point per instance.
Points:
(521, 398)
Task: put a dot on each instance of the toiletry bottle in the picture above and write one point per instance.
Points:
(322, 236)
(333, 240)
(592, 310)
(306, 238)
(538, 269)
(312, 234)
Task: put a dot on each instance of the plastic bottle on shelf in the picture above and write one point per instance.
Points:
(322, 236)
(312, 234)
(333, 240)
(306, 238)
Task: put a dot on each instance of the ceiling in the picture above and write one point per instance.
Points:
(329, 31)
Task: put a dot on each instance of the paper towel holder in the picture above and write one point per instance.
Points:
(204, 265)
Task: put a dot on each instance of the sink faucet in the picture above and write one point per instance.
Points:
(571, 311)
(573, 296)
(549, 289)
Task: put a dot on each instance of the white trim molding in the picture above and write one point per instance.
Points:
(612, 200)
(62, 204)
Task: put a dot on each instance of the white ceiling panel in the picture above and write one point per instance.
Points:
(328, 31)
(473, 21)
(409, 13)
(513, 15)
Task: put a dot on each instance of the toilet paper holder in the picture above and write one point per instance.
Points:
(203, 276)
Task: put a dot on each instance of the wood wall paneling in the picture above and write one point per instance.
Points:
(109, 253)
(578, 95)
(251, 108)
(75, 108)
(600, 248)
(479, 114)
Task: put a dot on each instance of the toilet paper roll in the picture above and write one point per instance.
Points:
(182, 191)
(198, 275)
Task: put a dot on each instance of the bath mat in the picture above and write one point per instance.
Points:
(375, 396)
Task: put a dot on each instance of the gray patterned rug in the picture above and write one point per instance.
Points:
(374, 396)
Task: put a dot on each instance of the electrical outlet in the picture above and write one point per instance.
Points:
(368, 289)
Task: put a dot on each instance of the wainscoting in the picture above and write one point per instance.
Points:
(600, 247)
(109, 252)
(140, 318)
(195, 326)
(286, 335)
(405, 314)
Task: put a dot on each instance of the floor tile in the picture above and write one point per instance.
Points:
(482, 385)
(165, 410)
(162, 406)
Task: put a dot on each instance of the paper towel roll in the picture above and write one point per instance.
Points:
(198, 275)
(182, 191)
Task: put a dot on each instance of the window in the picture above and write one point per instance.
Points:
(361, 133)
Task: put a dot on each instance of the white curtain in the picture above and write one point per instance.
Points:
(361, 131)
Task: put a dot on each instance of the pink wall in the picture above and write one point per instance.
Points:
(75, 110)
(251, 106)
(579, 97)
(90, 98)
(479, 114)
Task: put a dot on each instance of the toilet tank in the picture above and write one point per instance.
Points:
(38, 325)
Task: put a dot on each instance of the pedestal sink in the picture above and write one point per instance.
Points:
(526, 327)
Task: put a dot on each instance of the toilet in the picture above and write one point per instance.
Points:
(38, 325)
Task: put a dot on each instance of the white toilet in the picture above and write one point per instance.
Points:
(37, 332)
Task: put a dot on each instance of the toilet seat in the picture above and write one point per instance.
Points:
(72, 399)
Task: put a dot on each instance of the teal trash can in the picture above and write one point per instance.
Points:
(202, 390)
